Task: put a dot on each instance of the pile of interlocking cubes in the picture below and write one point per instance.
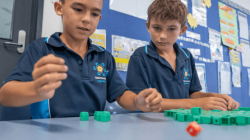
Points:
(103, 116)
(239, 116)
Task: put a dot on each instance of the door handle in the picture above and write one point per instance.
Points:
(12, 44)
(21, 42)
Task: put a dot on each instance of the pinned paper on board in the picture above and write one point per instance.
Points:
(246, 53)
(123, 48)
(199, 11)
(228, 26)
(201, 71)
(99, 38)
(208, 3)
(216, 49)
(192, 21)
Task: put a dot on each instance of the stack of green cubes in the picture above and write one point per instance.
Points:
(103, 116)
(239, 116)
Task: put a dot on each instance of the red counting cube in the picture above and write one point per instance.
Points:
(194, 129)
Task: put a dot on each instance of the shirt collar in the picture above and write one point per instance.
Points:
(151, 51)
(55, 41)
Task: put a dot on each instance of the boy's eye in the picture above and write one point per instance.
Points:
(157, 28)
(78, 10)
(171, 29)
(94, 14)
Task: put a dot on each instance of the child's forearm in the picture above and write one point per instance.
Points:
(199, 94)
(127, 100)
(18, 94)
(168, 104)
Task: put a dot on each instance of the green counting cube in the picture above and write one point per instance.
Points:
(196, 110)
(189, 117)
(226, 120)
(206, 119)
(197, 119)
(84, 116)
(241, 120)
(105, 116)
(97, 115)
(217, 120)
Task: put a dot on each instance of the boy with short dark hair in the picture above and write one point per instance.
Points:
(169, 68)
(65, 74)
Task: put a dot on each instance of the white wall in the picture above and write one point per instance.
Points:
(51, 21)
(243, 3)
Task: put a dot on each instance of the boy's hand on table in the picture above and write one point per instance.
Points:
(209, 103)
(232, 104)
(48, 74)
(149, 100)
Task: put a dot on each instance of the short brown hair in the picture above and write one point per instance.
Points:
(168, 10)
(63, 1)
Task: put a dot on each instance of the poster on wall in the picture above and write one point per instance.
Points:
(245, 53)
(201, 71)
(123, 48)
(224, 79)
(99, 38)
(235, 62)
(216, 49)
(243, 25)
(199, 11)
(228, 26)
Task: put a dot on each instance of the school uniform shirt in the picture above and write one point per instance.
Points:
(148, 69)
(89, 84)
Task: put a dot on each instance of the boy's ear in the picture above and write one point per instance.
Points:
(183, 30)
(148, 24)
(58, 8)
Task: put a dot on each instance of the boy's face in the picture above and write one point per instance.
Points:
(164, 34)
(80, 17)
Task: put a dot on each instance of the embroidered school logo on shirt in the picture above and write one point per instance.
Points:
(100, 72)
(186, 76)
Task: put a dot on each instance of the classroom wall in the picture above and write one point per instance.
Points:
(243, 3)
(116, 23)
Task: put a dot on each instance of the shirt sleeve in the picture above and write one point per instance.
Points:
(23, 70)
(195, 82)
(137, 77)
(116, 86)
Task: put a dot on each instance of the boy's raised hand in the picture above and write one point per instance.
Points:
(149, 100)
(48, 74)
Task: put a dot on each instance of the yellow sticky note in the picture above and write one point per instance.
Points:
(192, 21)
(208, 3)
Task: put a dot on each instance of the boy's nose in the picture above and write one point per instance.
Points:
(163, 36)
(86, 18)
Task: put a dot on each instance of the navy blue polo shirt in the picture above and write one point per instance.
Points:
(90, 82)
(148, 69)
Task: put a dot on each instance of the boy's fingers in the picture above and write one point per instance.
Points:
(156, 110)
(218, 108)
(155, 107)
(51, 77)
(156, 100)
(49, 59)
(221, 100)
(49, 68)
(237, 105)
(49, 87)
(220, 104)
(151, 97)
(145, 93)
(230, 105)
